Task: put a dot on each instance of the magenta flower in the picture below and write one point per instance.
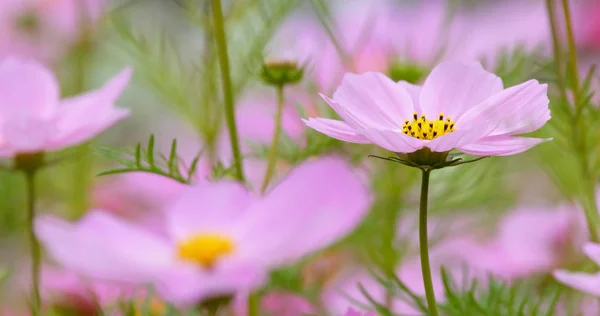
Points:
(460, 106)
(589, 283)
(34, 119)
(221, 238)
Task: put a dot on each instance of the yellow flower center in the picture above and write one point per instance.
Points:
(422, 128)
(205, 249)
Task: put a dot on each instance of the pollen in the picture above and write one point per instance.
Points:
(422, 128)
(205, 249)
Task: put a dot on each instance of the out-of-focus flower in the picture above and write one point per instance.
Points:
(586, 19)
(280, 303)
(33, 118)
(589, 283)
(221, 238)
(353, 312)
(529, 241)
(281, 72)
(460, 106)
(45, 30)
(497, 26)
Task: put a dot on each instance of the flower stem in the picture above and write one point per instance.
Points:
(253, 304)
(272, 160)
(588, 198)
(556, 45)
(219, 29)
(35, 245)
(425, 268)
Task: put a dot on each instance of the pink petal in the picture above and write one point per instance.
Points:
(453, 88)
(394, 140)
(374, 100)
(589, 283)
(316, 204)
(187, 284)
(592, 251)
(208, 207)
(100, 246)
(26, 134)
(519, 109)
(500, 146)
(83, 117)
(27, 89)
(336, 129)
(415, 93)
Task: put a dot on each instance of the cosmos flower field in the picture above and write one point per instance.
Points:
(299, 157)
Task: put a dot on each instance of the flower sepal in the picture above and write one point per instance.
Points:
(428, 160)
(29, 161)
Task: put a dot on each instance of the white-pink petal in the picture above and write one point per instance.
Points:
(589, 283)
(336, 129)
(453, 88)
(208, 208)
(501, 145)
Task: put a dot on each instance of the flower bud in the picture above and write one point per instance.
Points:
(281, 72)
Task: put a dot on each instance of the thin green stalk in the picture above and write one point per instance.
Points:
(556, 48)
(35, 245)
(253, 304)
(219, 28)
(272, 160)
(423, 246)
(590, 206)
(572, 51)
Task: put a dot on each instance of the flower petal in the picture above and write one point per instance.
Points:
(187, 284)
(336, 129)
(317, 203)
(415, 93)
(453, 88)
(100, 246)
(589, 283)
(27, 89)
(501, 145)
(84, 116)
(395, 141)
(592, 250)
(374, 100)
(519, 109)
(208, 207)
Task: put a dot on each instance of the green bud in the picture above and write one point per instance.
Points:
(409, 72)
(279, 73)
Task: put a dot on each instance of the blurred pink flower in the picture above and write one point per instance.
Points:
(589, 283)
(497, 26)
(529, 241)
(280, 303)
(222, 239)
(34, 119)
(586, 19)
(353, 312)
(460, 106)
(45, 29)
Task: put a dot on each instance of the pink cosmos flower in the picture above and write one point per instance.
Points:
(460, 106)
(221, 238)
(34, 119)
(589, 283)
(45, 29)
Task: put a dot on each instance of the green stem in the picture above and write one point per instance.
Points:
(556, 48)
(226, 85)
(588, 199)
(425, 268)
(572, 51)
(253, 304)
(272, 160)
(35, 245)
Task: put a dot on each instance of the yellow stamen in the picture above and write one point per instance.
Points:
(205, 249)
(422, 128)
